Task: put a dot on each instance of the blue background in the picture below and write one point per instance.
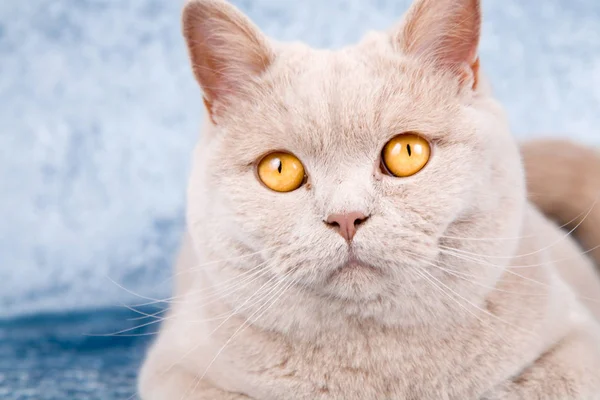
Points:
(98, 116)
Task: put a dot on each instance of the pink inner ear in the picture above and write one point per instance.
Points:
(475, 68)
(227, 51)
(446, 32)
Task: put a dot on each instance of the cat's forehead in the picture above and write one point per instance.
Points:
(335, 83)
(334, 94)
(360, 86)
(342, 102)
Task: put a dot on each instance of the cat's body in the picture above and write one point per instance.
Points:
(453, 285)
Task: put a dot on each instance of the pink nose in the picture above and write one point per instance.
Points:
(346, 224)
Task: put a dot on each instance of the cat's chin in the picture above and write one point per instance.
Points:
(354, 269)
(354, 279)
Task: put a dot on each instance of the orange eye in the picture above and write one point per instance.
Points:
(281, 172)
(405, 155)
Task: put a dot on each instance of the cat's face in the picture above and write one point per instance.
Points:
(335, 112)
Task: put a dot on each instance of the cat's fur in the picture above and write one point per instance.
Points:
(470, 292)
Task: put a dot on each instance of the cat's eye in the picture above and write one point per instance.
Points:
(405, 155)
(281, 172)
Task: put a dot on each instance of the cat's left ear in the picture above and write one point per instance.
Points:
(445, 33)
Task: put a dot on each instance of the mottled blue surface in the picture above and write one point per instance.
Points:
(62, 357)
(98, 116)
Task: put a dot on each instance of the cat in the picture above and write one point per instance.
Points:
(360, 227)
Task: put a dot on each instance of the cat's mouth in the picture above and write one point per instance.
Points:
(353, 269)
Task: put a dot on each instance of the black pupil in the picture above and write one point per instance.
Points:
(280, 167)
(409, 150)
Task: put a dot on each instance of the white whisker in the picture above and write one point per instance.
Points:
(561, 239)
(509, 270)
(486, 312)
(215, 296)
(477, 239)
(245, 325)
(194, 348)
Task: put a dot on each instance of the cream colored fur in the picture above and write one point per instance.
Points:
(471, 292)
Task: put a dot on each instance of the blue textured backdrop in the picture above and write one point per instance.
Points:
(99, 114)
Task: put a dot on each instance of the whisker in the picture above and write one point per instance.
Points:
(239, 330)
(541, 264)
(560, 260)
(486, 312)
(465, 277)
(509, 270)
(219, 292)
(186, 354)
(565, 225)
(251, 272)
(153, 301)
(198, 267)
(237, 309)
(144, 315)
(420, 272)
(131, 291)
(216, 296)
(570, 232)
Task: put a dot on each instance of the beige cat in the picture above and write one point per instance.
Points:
(359, 227)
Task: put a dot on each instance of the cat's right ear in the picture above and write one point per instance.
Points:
(226, 49)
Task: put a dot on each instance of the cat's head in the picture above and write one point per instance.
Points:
(387, 153)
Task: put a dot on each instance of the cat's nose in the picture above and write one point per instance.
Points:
(346, 224)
